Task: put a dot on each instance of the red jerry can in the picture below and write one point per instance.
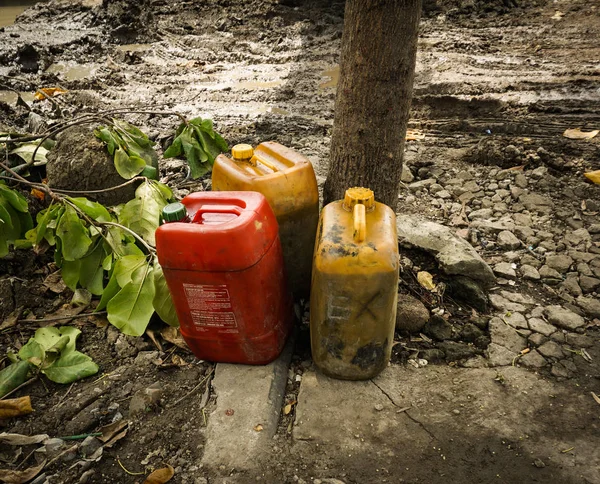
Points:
(222, 260)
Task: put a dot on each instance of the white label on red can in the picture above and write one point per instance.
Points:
(210, 307)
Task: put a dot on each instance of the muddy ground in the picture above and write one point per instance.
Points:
(497, 84)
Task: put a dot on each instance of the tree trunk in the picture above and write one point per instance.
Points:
(377, 68)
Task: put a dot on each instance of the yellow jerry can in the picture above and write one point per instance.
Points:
(287, 180)
(354, 287)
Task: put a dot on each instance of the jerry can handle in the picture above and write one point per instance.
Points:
(360, 222)
(216, 209)
(268, 164)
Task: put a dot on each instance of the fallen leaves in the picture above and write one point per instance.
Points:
(414, 135)
(576, 133)
(20, 477)
(160, 476)
(45, 92)
(425, 279)
(15, 407)
(113, 432)
(596, 398)
(18, 439)
(593, 176)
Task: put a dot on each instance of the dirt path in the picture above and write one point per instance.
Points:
(496, 87)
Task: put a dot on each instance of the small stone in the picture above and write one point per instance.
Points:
(145, 398)
(411, 314)
(580, 340)
(483, 213)
(379, 407)
(577, 237)
(560, 262)
(505, 269)
(124, 348)
(456, 351)
(468, 291)
(529, 272)
(406, 176)
(506, 336)
(499, 355)
(145, 358)
(571, 285)
(517, 297)
(470, 333)
(533, 360)
(89, 446)
(508, 241)
(541, 326)
(438, 328)
(589, 284)
(53, 447)
(516, 320)
(521, 180)
(536, 203)
(502, 304)
(539, 463)
(563, 318)
(549, 275)
(443, 194)
(559, 370)
(419, 185)
(551, 349)
(590, 306)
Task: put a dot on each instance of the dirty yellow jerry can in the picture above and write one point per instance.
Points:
(287, 180)
(354, 287)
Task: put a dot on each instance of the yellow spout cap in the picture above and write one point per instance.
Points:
(359, 195)
(242, 152)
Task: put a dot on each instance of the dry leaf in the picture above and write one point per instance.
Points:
(12, 319)
(55, 282)
(160, 476)
(152, 336)
(414, 135)
(258, 428)
(593, 176)
(113, 432)
(15, 407)
(557, 15)
(288, 408)
(45, 92)
(578, 134)
(425, 279)
(173, 336)
(596, 397)
(18, 439)
(19, 477)
(40, 195)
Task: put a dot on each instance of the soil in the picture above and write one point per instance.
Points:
(497, 83)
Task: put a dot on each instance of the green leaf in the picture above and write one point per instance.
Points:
(73, 334)
(142, 214)
(93, 210)
(73, 235)
(33, 352)
(111, 289)
(134, 133)
(126, 267)
(91, 273)
(221, 143)
(25, 151)
(10, 222)
(16, 200)
(163, 303)
(71, 367)
(12, 376)
(175, 149)
(128, 166)
(121, 242)
(209, 146)
(105, 135)
(131, 308)
(70, 272)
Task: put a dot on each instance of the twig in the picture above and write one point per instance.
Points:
(151, 249)
(129, 472)
(103, 190)
(62, 399)
(60, 318)
(194, 389)
(41, 186)
(31, 380)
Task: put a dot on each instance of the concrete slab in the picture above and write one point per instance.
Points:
(247, 397)
(438, 424)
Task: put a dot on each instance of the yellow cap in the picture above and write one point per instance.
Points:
(242, 152)
(360, 195)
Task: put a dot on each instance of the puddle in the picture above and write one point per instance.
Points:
(334, 77)
(8, 13)
(134, 47)
(256, 85)
(10, 97)
(72, 72)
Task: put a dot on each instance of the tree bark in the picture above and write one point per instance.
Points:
(377, 66)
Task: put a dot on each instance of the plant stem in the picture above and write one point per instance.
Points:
(150, 249)
(61, 318)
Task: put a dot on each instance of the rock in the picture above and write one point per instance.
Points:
(502, 304)
(550, 276)
(531, 260)
(577, 237)
(438, 328)
(432, 355)
(28, 58)
(559, 370)
(419, 185)
(89, 446)
(541, 326)
(124, 348)
(517, 297)
(584, 269)
(580, 340)
(594, 229)
(536, 203)
(551, 349)
(454, 255)
(589, 284)
(53, 447)
(529, 272)
(470, 333)
(506, 336)
(590, 305)
(411, 315)
(571, 285)
(521, 180)
(79, 161)
(508, 241)
(563, 318)
(499, 355)
(506, 270)
(483, 213)
(516, 320)
(456, 351)
(145, 358)
(145, 398)
(468, 291)
(536, 339)
(533, 360)
(406, 176)
(443, 194)
(329, 480)
(559, 262)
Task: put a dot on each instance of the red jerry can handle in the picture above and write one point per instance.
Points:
(233, 209)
